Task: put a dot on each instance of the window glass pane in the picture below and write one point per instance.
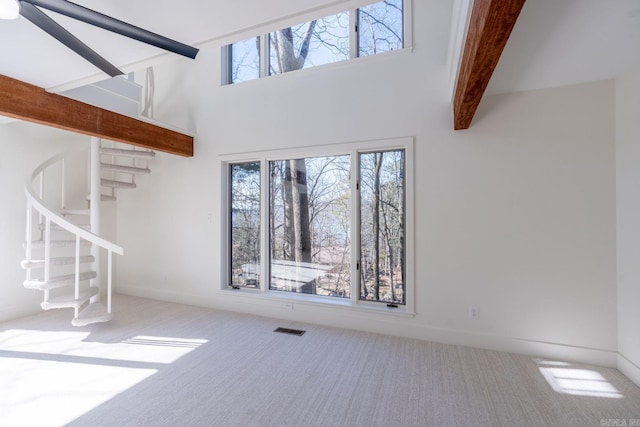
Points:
(380, 27)
(317, 42)
(244, 179)
(310, 237)
(244, 58)
(382, 226)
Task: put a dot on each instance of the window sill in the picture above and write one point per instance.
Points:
(319, 301)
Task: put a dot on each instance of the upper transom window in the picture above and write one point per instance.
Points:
(369, 30)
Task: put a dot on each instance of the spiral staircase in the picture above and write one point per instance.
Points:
(65, 256)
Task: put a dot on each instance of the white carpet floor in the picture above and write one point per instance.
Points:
(163, 364)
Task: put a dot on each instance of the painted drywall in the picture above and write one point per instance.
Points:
(515, 215)
(23, 147)
(628, 221)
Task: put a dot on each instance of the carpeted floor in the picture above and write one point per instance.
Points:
(162, 364)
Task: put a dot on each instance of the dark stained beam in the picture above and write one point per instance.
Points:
(490, 25)
(31, 103)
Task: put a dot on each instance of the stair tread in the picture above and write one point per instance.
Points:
(56, 227)
(104, 198)
(116, 184)
(58, 281)
(127, 152)
(75, 211)
(94, 313)
(56, 261)
(125, 169)
(57, 243)
(70, 301)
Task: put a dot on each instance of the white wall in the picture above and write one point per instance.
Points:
(515, 215)
(23, 147)
(628, 222)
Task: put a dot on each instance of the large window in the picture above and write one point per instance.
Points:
(310, 230)
(369, 30)
(335, 226)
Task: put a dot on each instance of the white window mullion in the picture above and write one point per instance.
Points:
(265, 256)
(409, 238)
(355, 228)
(225, 214)
(264, 55)
(353, 33)
(407, 24)
(225, 74)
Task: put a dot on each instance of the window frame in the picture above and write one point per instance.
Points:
(353, 150)
(358, 207)
(229, 202)
(352, 9)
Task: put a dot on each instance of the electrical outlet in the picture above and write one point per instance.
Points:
(474, 312)
(288, 305)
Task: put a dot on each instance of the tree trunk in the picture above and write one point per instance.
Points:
(391, 275)
(300, 201)
(388, 237)
(272, 232)
(376, 225)
(289, 242)
(283, 46)
(401, 213)
(389, 248)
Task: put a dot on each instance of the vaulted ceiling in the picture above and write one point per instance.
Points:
(554, 43)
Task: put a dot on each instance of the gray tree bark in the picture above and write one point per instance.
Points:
(300, 204)
(376, 225)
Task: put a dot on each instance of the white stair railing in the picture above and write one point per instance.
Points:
(113, 168)
(85, 312)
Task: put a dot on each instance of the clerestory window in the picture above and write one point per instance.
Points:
(377, 28)
(333, 226)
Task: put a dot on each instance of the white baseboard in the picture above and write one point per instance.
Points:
(538, 349)
(164, 295)
(340, 317)
(629, 369)
(10, 313)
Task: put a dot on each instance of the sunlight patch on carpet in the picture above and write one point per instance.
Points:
(565, 379)
(42, 372)
(40, 391)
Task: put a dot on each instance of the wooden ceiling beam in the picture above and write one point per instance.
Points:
(31, 103)
(490, 25)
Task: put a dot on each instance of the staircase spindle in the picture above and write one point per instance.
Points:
(29, 236)
(77, 284)
(47, 255)
(109, 279)
(95, 196)
(40, 218)
(62, 186)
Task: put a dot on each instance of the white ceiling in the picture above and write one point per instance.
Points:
(554, 43)
(561, 42)
(35, 57)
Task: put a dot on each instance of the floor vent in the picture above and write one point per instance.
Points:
(289, 331)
